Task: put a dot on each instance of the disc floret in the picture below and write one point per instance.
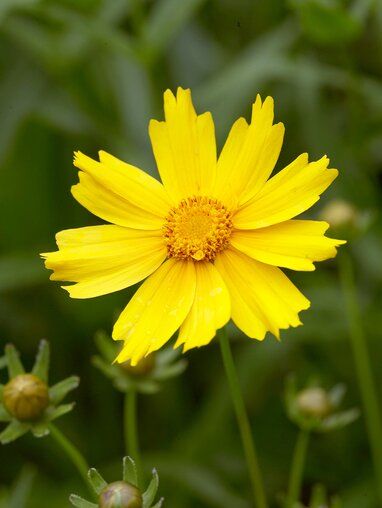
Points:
(198, 228)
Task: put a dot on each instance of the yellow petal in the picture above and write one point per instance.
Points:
(289, 193)
(210, 310)
(184, 147)
(156, 310)
(135, 191)
(294, 244)
(249, 154)
(104, 259)
(262, 297)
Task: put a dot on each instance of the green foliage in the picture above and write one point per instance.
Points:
(89, 74)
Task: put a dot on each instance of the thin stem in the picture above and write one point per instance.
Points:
(297, 468)
(131, 430)
(72, 453)
(363, 365)
(243, 422)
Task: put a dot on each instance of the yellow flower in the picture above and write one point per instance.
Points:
(209, 239)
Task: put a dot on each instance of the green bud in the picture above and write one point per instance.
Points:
(120, 495)
(143, 367)
(314, 402)
(26, 397)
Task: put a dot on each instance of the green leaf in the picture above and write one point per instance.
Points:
(40, 429)
(105, 345)
(96, 480)
(159, 503)
(59, 411)
(3, 362)
(170, 371)
(339, 420)
(41, 366)
(318, 497)
(108, 370)
(327, 23)
(152, 489)
(158, 31)
(15, 366)
(59, 391)
(129, 471)
(4, 415)
(13, 431)
(81, 503)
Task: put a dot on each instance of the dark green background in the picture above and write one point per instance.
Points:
(89, 74)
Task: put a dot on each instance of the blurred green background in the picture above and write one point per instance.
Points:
(89, 74)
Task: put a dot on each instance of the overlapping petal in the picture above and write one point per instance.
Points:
(289, 193)
(211, 308)
(294, 244)
(249, 154)
(184, 147)
(262, 297)
(120, 193)
(156, 310)
(104, 259)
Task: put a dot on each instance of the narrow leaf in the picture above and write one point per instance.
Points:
(40, 430)
(59, 391)
(4, 415)
(81, 503)
(41, 366)
(13, 431)
(60, 411)
(96, 480)
(152, 489)
(15, 366)
(129, 471)
(159, 503)
(105, 345)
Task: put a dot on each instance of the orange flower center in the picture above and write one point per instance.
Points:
(198, 228)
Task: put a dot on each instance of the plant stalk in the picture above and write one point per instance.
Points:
(131, 430)
(297, 468)
(243, 422)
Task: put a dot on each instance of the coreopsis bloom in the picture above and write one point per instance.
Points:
(209, 239)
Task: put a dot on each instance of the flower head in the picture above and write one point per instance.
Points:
(120, 494)
(209, 240)
(316, 409)
(26, 401)
(146, 376)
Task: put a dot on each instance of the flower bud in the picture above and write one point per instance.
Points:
(339, 213)
(145, 366)
(314, 402)
(26, 397)
(120, 495)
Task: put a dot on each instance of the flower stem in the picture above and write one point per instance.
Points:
(131, 431)
(243, 421)
(72, 453)
(363, 365)
(297, 468)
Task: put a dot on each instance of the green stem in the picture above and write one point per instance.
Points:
(363, 365)
(243, 422)
(72, 453)
(297, 468)
(131, 430)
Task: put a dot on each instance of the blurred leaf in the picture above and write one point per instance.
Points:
(158, 31)
(41, 366)
(327, 22)
(129, 471)
(20, 271)
(96, 480)
(13, 431)
(60, 390)
(15, 367)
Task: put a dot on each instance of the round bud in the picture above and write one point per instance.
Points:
(120, 495)
(314, 402)
(26, 397)
(143, 367)
(339, 214)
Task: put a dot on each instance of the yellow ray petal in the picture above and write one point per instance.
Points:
(262, 297)
(249, 154)
(142, 193)
(104, 259)
(210, 310)
(109, 206)
(184, 147)
(294, 244)
(289, 193)
(156, 310)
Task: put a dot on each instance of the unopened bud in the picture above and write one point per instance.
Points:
(120, 495)
(26, 397)
(145, 366)
(314, 402)
(339, 213)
